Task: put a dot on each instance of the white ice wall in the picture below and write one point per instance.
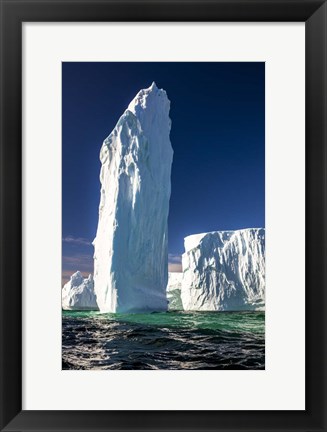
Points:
(224, 270)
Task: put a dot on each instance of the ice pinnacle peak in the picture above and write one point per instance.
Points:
(148, 98)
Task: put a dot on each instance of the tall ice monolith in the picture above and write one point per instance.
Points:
(130, 248)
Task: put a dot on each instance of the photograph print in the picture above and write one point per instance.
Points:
(163, 215)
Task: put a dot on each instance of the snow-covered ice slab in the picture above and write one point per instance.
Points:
(78, 293)
(130, 248)
(174, 287)
(224, 270)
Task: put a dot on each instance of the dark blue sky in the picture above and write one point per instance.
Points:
(218, 137)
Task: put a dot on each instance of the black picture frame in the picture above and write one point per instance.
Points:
(13, 14)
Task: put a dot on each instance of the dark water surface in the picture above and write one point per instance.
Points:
(172, 340)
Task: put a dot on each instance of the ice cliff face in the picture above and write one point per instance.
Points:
(174, 287)
(224, 270)
(130, 248)
(78, 293)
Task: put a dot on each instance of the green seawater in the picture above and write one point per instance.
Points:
(229, 321)
(171, 340)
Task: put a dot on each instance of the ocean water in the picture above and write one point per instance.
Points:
(172, 340)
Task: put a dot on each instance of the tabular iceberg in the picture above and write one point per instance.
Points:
(174, 287)
(224, 270)
(130, 248)
(78, 293)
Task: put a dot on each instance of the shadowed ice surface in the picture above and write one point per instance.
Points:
(172, 340)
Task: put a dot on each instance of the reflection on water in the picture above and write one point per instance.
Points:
(172, 340)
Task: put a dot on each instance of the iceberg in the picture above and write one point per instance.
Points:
(130, 247)
(174, 287)
(78, 293)
(224, 271)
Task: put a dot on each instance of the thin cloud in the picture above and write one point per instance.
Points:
(77, 240)
(82, 261)
(175, 263)
(175, 258)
